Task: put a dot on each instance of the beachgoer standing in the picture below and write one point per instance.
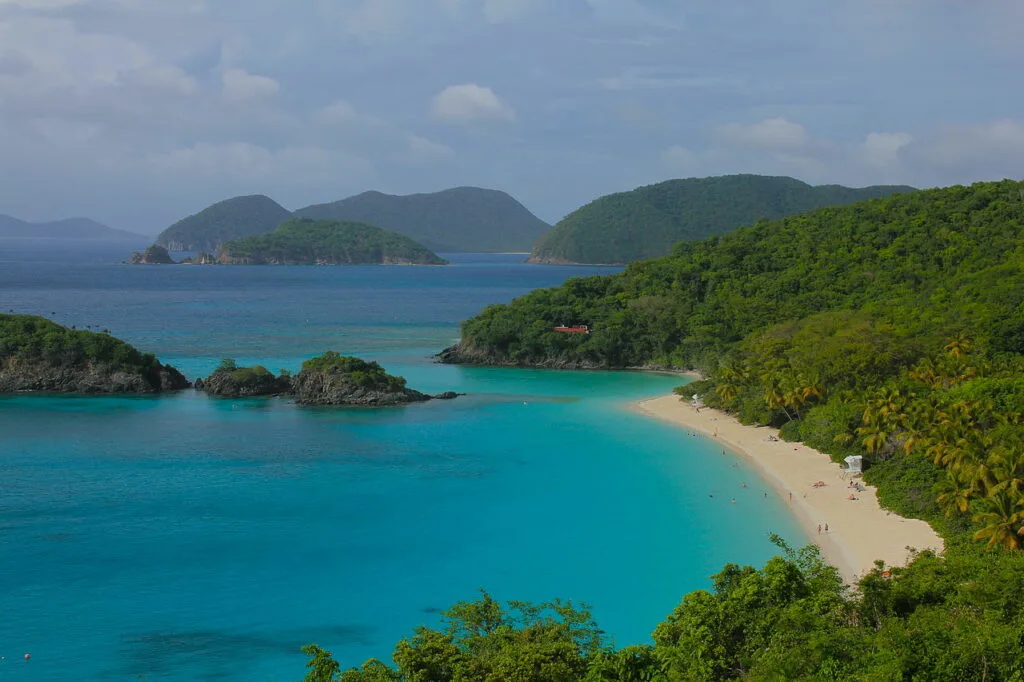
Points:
(826, 527)
(819, 529)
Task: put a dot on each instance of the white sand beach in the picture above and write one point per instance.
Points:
(859, 531)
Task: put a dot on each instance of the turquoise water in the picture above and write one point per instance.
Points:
(186, 538)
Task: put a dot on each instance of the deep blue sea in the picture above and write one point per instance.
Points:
(190, 538)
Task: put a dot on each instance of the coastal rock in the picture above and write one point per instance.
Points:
(230, 381)
(333, 379)
(19, 374)
(461, 354)
(200, 259)
(153, 255)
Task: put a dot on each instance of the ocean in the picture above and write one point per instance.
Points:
(182, 537)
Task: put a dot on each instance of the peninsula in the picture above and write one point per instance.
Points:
(37, 355)
(303, 241)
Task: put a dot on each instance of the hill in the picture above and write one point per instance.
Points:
(69, 228)
(466, 219)
(226, 220)
(303, 241)
(39, 355)
(647, 221)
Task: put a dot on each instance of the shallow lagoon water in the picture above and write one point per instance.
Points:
(187, 538)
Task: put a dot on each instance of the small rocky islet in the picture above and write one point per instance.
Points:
(41, 356)
(328, 379)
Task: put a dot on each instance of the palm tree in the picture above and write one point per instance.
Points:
(1002, 518)
(954, 495)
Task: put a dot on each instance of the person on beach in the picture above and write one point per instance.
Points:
(819, 529)
(826, 527)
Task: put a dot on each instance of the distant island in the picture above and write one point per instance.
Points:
(645, 222)
(69, 228)
(303, 241)
(462, 219)
(467, 219)
(329, 379)
(152, 255)
(37, 355)
(222, 222)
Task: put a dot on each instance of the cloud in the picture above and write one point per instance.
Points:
(882, 149)
(470, 103)
(771, 133)
(240, 85)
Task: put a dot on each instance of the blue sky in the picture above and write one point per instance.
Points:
(138, 112)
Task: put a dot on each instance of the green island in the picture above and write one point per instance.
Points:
(152, 255)
(891, 329)
(223, 221)
(646, 222)
(37, 355)
(303, 241)
(328, 379)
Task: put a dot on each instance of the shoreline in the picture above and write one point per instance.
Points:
(860, 531)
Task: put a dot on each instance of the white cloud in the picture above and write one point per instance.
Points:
(882, 149)
(680, 161)
(240, 85)
(771, 133)
(469, 103)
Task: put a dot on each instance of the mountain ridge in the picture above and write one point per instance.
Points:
(646, 221)
(65, 228)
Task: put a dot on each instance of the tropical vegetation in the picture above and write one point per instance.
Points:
(223, 221)
(303, 241)
(647, 221)
(467, 219)
(892, 328)
(37, 354)
(955, 617)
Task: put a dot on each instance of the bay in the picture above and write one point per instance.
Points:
(187, 538)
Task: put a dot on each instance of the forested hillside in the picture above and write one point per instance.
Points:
(226, 220)
(466, 219)
(303, 241)
(892, 328)
(647, 221)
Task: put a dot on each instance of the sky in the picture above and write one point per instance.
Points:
(139, 112)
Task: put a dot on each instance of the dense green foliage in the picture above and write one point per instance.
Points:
(35, 338)
(460, 219)
(647, 221)
(226, 220)
(303, 241)
(893, 328)
(791, 620)
(368, 375)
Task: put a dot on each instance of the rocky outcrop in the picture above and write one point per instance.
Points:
(153, 255)
(333, 388)
(200, 259)
(244, 382)
(19, 374)
(460, 354)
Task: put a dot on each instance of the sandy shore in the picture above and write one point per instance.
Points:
(860, 531)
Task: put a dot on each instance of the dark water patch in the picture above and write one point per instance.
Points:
(219, 655)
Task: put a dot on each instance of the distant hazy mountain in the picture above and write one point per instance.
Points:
(647, 221)
(69, 228)
(226, 220)
(466, 219)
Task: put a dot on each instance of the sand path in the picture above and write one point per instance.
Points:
(860, 531)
